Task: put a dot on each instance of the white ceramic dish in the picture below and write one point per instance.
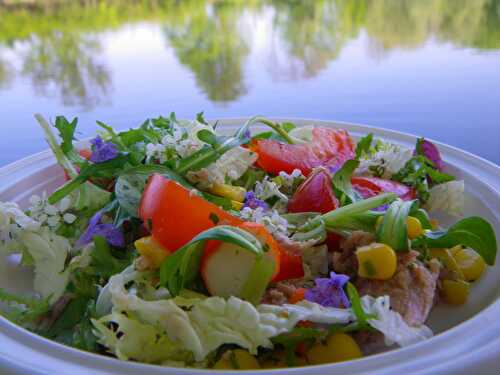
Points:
(467, 338)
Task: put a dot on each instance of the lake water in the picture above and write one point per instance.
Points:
(430, 68)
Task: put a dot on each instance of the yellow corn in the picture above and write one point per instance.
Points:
(455, 292)
(376, 261)
(414, 227)
(470, 263)
(236, 205)
(455, 249)
(237, 359)
(444, 255)
(149, 248)
(339, 347)
(235, 193)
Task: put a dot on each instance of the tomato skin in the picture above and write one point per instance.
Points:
(329, 147)
(315, 194)
(370, 186)
(290, 266)
(176, 214)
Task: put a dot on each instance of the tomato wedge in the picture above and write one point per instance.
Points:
(370, 186)
(329, 147)
(177, 215)
(315, 194)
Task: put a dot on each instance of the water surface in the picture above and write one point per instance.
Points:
(427, 67)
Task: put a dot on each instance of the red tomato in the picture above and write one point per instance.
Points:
(329, 147)
(290, 266)
(84, 153)
(177, 215)
(315, 194)
(370, 186)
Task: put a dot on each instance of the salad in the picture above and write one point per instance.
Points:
(175, 245)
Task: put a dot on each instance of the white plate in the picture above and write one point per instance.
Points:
(466, 337)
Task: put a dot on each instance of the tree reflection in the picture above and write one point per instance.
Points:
(67, 63)
(58, 46)
(209, 42)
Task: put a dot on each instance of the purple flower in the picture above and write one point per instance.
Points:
(112, 235)
(247, 134)
(431, 152)
(253, 202)
(329, 292)
(102, 151)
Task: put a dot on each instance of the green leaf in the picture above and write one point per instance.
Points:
(23, 309)
(342, 183)
(393, 229)
(104, 263)
(69, 318)
(258, 279)
(290, 340)
(178, 269)
(474, 232)
(363, 146)
(209, 137)
(422, 216)
(361, 316)
(337, 218)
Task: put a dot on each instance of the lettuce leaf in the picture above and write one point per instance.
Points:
(447, 197)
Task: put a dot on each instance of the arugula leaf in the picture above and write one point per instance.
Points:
(67, 134)
(342, 183)
(363, 146)
(474, 232)
(200, 118)
(393, 229)
(182, 266)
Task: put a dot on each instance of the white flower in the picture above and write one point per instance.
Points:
(51, 215)
(266, 189)
(271, 219)
(387, 160)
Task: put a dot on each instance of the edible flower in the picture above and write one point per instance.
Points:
(102, 151)
(430, 151)
(253, 202)
(113, 235)
(329, 292)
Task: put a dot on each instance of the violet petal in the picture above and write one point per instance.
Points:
(253, 202)
(329, 292)
(102, 151)
(112, 235)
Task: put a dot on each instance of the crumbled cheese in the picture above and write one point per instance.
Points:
(271, 219)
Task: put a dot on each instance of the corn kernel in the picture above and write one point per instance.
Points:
(236, 205)
(376, 261)
(455, 249)
(455, 292)
(414, 227)
(237, 359)
(339, 347)
(149, 248)
(444, 255)
(235, 193)
(470, 263)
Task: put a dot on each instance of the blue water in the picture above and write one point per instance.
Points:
(428, 68)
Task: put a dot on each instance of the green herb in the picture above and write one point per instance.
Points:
(415, 173)
(364, 145)
(473, 232)
(104, 263)
(342, 183)
(393, 229)
(361, 316)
